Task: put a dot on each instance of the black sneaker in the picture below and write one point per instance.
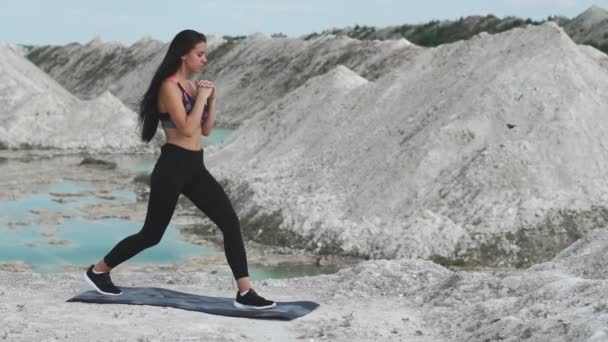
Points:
(101, 282)
(251, 300)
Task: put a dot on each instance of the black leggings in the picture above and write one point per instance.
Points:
(181, 171)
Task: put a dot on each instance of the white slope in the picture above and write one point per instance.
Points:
(259, 70)
(87, 70)
(19, 49)
(249, 73)
(589, 26)
(38, 112)
(592, 16)
(473, 151)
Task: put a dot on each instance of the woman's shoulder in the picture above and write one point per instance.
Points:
(167, 84)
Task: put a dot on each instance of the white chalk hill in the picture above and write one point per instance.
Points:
(465, 146)
(37, 112)
(87, 70)
(591, 25)
(259, 70)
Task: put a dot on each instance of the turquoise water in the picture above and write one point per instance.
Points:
(20, 210)
(87, 240)
(217, 136)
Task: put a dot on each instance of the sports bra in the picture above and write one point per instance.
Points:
(187, 100)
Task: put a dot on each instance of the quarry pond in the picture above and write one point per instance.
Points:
(63, 211)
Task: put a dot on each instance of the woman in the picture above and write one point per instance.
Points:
(185, 110)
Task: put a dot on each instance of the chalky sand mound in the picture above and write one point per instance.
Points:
(486, 152)
(88, 70)
(591, 26)
(37, 112)
(250, 72)
(253, 73)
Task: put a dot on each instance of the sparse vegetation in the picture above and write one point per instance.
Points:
(98, 163)
(435, 32)
(311, 36)
(233, 38)
(35, 55)
(94, 72)
(222, 50)
(362, 32)
(600, 46)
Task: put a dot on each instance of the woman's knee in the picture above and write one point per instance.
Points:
(148, 240)
(230, 225)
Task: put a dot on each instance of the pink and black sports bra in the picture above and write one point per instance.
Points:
(187, 100)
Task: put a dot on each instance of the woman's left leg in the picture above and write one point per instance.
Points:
(206, 193)
(209, 196)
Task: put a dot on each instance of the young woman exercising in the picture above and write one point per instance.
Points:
(185, 110)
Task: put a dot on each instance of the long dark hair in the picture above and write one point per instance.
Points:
(183, 42)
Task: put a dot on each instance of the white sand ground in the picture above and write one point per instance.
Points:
(397, 300)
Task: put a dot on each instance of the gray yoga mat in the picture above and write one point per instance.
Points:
(180, 300)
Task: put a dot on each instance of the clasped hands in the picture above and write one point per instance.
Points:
(206, 88)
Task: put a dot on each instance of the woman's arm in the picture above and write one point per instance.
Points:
(210, 121)
(171, 97)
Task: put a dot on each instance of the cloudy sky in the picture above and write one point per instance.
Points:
(62, 22)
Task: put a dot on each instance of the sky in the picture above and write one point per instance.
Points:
(40, 22)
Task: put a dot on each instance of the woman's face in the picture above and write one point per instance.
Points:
(196, 59)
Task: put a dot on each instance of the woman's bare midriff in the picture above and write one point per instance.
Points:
(190, 143)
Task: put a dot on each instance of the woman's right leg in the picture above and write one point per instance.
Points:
(166, 184)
